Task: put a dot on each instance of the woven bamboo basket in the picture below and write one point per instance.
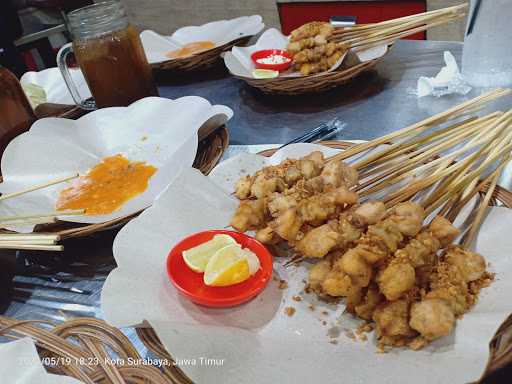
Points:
(317, 83)
(209, 152)
(200, 61)
(94, 340)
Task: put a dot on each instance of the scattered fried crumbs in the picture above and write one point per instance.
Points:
(381, 349)
(365, 328)
(333, 332)
(289, 311)
(363, 337)
(283, 284)
(325, 313)
(297, 298)
(417, 343)
(333, 341)
(350, 334)
(311, 307)
(144, 138)
(324, 322)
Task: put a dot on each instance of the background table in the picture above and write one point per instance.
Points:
(377, 103)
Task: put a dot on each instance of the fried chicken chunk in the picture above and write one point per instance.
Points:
(396, 279)
(470, 264)
(249, 215)
(392, 320)
(319, 241)
(432, 318)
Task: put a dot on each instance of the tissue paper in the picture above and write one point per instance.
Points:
(449, 80)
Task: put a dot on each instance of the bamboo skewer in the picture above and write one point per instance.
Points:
(472, 191)
(500, 150)
(460, 177)
(24, 237)
(422, 125)
(468, 240)
(31, 247)
(410, 161)
(365, 43)
(405, 171)
(37, 187)
(74, 212)
(453, 9)
(429, 140)
(406, 25)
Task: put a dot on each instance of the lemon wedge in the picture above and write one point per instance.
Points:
(230, 265)
(197, 258)
(265, 74)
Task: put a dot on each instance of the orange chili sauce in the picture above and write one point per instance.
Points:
(107, 186)
(190, 48)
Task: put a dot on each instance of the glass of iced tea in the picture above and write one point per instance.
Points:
(110, 54)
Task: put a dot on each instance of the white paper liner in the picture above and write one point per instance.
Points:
(160, 131)
(239, 61)
(257, 342)
(20, 364)
(220, 32)
(52, 82)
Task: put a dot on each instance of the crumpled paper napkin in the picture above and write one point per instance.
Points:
(448, 81)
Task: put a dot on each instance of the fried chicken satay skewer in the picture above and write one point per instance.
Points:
(353, 270)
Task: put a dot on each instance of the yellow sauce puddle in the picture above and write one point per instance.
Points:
(190, 48)
(107, 186)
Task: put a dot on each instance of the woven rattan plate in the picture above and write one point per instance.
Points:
(209, 152)
(94, 340)
(200, 61)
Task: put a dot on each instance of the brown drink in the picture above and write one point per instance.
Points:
(110, 55)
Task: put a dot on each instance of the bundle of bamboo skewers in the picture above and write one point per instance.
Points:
(360, 37)
(34, 241)
(442, 168)
(442, 163)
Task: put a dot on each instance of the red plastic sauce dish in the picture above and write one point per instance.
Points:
(275, 59)
(191, 285)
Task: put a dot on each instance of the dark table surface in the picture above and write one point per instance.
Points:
(378, 103)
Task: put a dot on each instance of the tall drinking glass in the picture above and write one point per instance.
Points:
(487, 55)
(110, 54)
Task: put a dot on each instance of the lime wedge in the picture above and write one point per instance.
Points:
(228, 266)
(196, 258)
(265, 74)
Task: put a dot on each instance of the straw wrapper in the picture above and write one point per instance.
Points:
(258, 342)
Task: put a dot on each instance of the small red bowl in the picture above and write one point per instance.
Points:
(268, 52)
(191, 285)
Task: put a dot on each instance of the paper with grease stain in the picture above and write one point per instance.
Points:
(159, 131)
(219, 32)
(257, 342)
